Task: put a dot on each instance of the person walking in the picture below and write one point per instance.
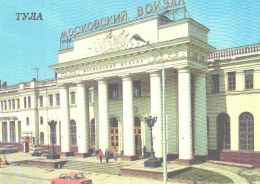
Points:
(116, 155)
(100, 154)
(107, 155)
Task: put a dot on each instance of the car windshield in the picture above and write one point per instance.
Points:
(79, 176)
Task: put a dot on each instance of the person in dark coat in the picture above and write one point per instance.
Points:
(144, 151)
(100, 154)
(107, 155)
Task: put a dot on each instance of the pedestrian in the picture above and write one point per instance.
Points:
(144, 151)
(107, 155)
(100, 154)
(116, 155)
(5, 162)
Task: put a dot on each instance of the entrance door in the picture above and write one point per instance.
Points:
(113, 135)
(138, 140)
(26, 145)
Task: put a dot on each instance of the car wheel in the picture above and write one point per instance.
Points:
(53, 182)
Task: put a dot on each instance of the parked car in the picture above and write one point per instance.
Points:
(8, 149)
(71, 178)
(38, 151)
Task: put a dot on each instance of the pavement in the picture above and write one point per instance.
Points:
(23, 174)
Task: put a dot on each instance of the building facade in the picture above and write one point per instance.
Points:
(108, 82)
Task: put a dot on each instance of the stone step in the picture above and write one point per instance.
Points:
(96, 167)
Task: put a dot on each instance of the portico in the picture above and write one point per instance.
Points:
(114, 73)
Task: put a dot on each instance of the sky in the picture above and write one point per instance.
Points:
(27, 44)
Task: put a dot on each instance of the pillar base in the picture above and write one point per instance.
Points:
(201, 158)
(185, 161)
(152, 163)
(129, 158)
(67, 154)
(83, 155)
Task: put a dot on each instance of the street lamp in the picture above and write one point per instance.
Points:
(52, 154)
(139, 38)
(152, 160)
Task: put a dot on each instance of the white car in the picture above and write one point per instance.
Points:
(38, 151)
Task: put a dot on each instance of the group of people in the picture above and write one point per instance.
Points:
(116, 155)
(3, 161)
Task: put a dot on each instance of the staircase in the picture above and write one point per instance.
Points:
(94, 167)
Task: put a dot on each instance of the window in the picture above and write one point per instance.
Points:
(92, 132)
(2, 105)
(50, 100)
(249, 79)
(246, 131)
(41, 101)
(27, 121)
(73, 132)
(29, 102)
(90, 95)
(13, 104)
(41, 138)
(231, 81)
(113, 91)
(72, 98)
(57, 99)
(19, 131)
(137, 88)
(215, 83)
(5, 105)
(4, 131)
(12, 131)
(24, 102)
(41, 120)
(223, 123)
(18, 103)
(9, 104)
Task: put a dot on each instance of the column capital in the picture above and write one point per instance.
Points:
(101, 80)
(126, 77)
(183, 69)
(63, 85)
(154, 73)
(80, 84)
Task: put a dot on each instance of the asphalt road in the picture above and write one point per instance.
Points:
(11, 178)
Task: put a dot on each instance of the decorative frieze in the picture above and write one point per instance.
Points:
(107, 66)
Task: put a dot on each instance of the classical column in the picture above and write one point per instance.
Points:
(103, 115)
(185, 121)
(128, 116)
(83, 120)
(65, 121)
(200, 116)
(156, 110)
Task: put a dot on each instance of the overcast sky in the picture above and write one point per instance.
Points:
(26, 44)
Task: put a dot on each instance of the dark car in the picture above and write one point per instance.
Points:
(8, 149)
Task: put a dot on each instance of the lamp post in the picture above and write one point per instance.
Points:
(152, 160)
(139, 38)
(52, 154)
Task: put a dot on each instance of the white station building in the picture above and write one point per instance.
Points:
(108, 82)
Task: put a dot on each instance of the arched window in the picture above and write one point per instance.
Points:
(246, 131)
(41, 120)
(27, 121)
(223, 123)
(41, 138)
(92, 132)
(73, 132)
